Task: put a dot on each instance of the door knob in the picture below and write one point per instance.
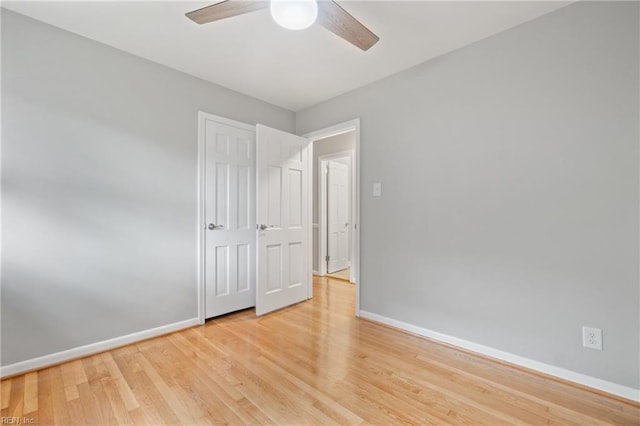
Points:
(346, 224)
(213, 226)
(264, 227)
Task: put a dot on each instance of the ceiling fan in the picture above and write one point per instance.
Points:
(295, 15)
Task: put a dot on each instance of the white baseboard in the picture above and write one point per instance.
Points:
(592, 382)
(82, 351)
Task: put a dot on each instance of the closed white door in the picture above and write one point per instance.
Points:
(283, 218)
(337, 215)
(230, 235)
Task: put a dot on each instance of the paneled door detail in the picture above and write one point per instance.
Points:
(337, 216)
(283, 235)
(230, 234)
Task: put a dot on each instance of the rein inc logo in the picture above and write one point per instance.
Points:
(15, 420)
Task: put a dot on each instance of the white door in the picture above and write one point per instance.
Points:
(337, 216)
(283, 218)
(230, 234)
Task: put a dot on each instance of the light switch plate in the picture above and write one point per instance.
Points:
(377, 190)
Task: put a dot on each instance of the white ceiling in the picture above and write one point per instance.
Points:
(293, 69)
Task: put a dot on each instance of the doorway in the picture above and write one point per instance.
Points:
(335, 218)
(334, 204)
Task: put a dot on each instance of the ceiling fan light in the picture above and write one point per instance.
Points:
(294, 15)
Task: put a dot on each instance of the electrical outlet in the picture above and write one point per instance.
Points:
(592, 338)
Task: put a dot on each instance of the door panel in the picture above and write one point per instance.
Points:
(246, 197)
(222, 192)
(274, 196)
(283, 191)
(230, 207)
(338, 216)
(296, 277)
(295, 198)
(222, 270)
(274, 268)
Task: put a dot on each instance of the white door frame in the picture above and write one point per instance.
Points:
(322, 212)
(201, 225)
(338, 129)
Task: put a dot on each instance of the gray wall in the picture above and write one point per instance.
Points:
(99, 152)
(510, 171)
(331, 145)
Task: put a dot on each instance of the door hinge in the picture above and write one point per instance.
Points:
(326, 258)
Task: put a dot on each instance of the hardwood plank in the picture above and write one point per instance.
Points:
(95, 404)
(6, 393)
(45, 398)
(117, 403)
(309, 363)
(124, 391)
(76, 414)
(68, 374)
(16, 398)
(61, 408)
(153, 409)
(30, 392)
(170, 398)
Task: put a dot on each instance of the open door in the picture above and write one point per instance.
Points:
(337, 215)
(283, 219)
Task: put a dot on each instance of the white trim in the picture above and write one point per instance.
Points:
(226, 121)
(335, 130)
(352, 218)
(310, 180)
(322, 217)
(322, 208)
(200, 218)
(200, 224)
(589, 381)
(93, 348)
(313, 271)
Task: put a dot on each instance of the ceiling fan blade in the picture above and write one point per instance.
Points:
(341, 23)
(225, 9)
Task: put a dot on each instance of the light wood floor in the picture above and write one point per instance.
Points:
(310, 363)
(342, 274)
